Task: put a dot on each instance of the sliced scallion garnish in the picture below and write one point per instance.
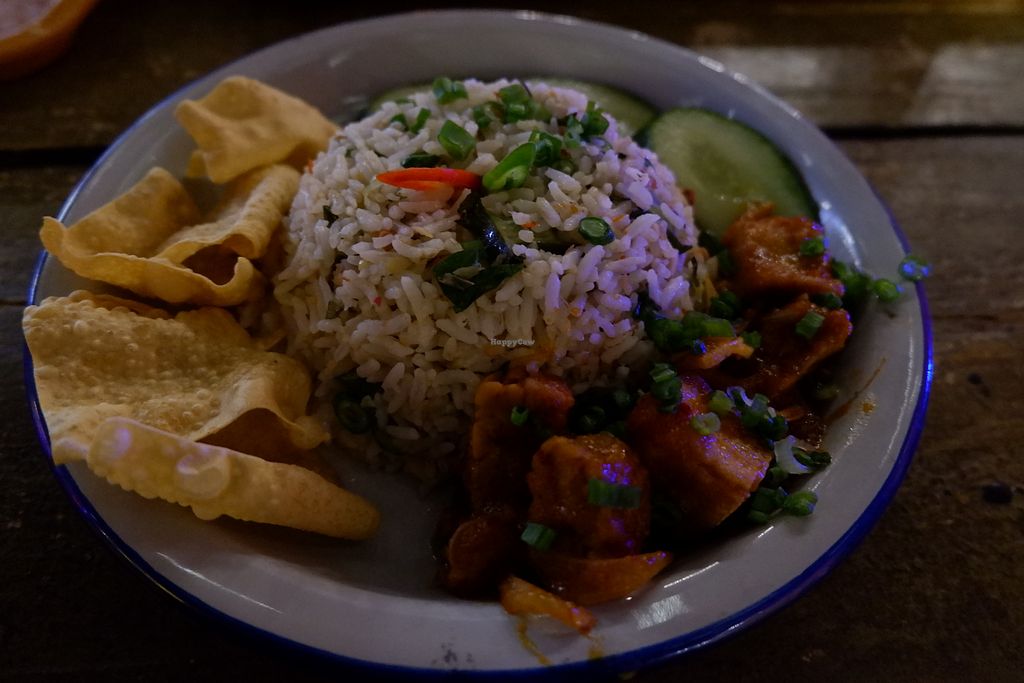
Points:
(720, 403)
(456, 140)
(596, 230)
(812, 246)
(752, 339)
(887, 291)
(513, 170)
(421, 119)
(538, 535)
(421, 160)
(519, 416)
(446, 90)
(800, 503)
(828, 300)
(606, 494)
(706, 424)
(914, 269)
(809, 324)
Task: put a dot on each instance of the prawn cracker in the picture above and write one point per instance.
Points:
(153, 241)
(197, 374)
(243, 124)
(216, 481)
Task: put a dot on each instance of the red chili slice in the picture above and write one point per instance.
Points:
(430, 178)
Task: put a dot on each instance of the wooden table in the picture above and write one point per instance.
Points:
(927, 100)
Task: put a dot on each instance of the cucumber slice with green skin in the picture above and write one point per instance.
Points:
(631, 112)
(727, 165)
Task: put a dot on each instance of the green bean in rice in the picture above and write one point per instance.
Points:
(359, 294)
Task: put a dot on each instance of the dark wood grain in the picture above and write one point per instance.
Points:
(26, 195)
(935, 593)
(843, 64)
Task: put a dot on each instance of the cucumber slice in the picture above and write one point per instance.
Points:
(631, 112)
(727, 164)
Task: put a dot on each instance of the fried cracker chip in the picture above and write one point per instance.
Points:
(216, 481)
(197, 375)
(152, 240)
(243, 124)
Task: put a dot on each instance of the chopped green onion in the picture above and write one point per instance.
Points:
(757, 517)
(668, 335)
(421, 160)
(538, 535)
(856, 284)
(726, 305)
(516, 93)
(800, 503)
(596, 230)
(549, 148)
(828, 300)
(329, 215)
(400, 120)
(767, 500)
(774, 476)
(914, 269)
(421, 119)
(717, 327)
(809, 324)
(754, 414)
(706, 423)
(667, 390)
(446, 90)
(594, 122)
(456, 140)
(519, 416)
(481, 117)
(812, 246)
(752, 339)
(720, 403)
(622, 399)
(887, 291)
(813, 459)
(565, 166)
(573, 131)
(609, 495)
(352, 416)
(786, 457)
(661, 372)
(513, 170)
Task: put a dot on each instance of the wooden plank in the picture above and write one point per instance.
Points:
(935, 593)
(26, 195)
(843, 64)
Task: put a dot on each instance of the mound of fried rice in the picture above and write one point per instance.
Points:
(358, 294)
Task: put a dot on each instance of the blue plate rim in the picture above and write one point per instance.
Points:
(631, 661)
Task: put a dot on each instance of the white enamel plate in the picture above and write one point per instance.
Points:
(373, 605)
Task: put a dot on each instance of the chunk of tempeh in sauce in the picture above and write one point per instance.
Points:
(785, 356)
(559, 482)
(501, 451)
(765, 249)
(709, 476)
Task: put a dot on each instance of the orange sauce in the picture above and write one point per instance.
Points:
(845, 407)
